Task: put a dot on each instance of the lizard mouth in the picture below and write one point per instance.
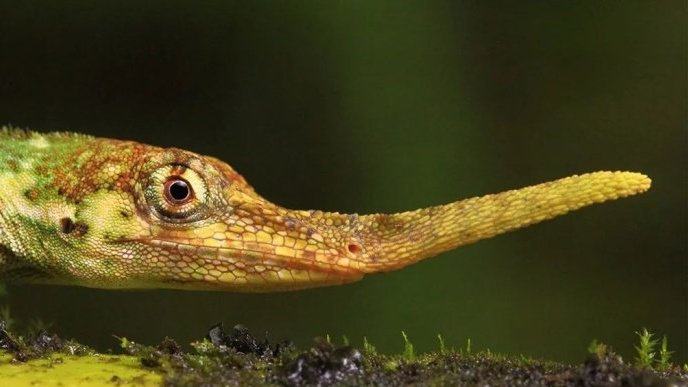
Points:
(189, 266)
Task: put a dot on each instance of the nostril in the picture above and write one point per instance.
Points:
(354, 248)
(67, 225)
(77, 229)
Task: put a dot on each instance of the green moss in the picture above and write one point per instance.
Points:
(88, 370)
(409, 353)
(664, 355)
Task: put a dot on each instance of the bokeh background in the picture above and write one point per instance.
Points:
(380, 106)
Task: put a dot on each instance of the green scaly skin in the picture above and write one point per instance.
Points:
(80, 210)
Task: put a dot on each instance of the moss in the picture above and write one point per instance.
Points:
(85, 370)
(239, 358)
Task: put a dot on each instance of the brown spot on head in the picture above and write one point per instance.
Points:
(178, 169)
(31, 194)
(13, 166)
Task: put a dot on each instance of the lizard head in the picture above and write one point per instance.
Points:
(116, 214)
(202, 226)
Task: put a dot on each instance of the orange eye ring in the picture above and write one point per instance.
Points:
(177, 191)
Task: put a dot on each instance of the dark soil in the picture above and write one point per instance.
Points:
(237, 358)
(39, 345)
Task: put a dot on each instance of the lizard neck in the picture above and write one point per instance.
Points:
(30, 207)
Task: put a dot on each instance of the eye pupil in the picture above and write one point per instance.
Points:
(177, 191)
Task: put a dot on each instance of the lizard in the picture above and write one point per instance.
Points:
(114, 214)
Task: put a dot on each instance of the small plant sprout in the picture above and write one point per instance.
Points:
(468, 346)
(408, 353)
(367, 347)
(646, 349)
(327, 338)
(345, 340)
(441, 340)
(664, 355)
(597, 348)
(124, 343)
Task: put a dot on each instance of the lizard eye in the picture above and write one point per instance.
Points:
(177, 194)
(177, 191)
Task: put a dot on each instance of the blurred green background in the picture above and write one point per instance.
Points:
(371, 106)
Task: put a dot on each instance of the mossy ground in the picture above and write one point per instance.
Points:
(238, 358)
(85, 370)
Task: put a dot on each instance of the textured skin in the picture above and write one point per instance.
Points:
(94, 212)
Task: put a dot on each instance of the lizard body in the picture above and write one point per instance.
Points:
(80, 210)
